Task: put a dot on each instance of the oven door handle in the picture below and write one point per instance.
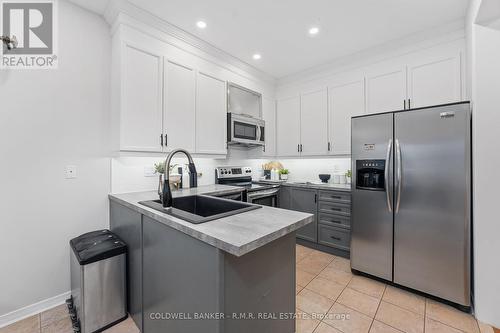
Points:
(259, 195)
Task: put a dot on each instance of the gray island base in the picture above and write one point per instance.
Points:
(182, 280)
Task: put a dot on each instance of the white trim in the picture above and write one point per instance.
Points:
(33, 309)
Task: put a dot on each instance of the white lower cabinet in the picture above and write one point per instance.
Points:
(288, 127)
(141, 113)
(433, 81)
(345, 101)
(211, 115)
(314, 123)
(179, 115)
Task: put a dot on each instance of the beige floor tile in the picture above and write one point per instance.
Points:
(313, 303)
(405, 299)
(62, 326)
(485, 328)
(303, 278)
(358, 301)
(400, 318)
(342, 264)
(347, 320)
(302, 250)
(313, 264)
(305, 324)
(126, 326)
(451, 316)
(322, 256)
(434, 326)
(298, 288)
(379, 327)
(324, 328)
(325, 287)
(335, 275)
(367, 286)
(54, 315)
(28, 325)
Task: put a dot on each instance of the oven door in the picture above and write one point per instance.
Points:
(245, 130)
(264, 198)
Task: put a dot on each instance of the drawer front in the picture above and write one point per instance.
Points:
(334, 196)
(335, 220)
(335, 208)
(335, 237)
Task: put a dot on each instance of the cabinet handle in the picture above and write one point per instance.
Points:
(409, 103)
(404, 104)
(336, 197)
(161, 140)
(298, 148)
(301, 147)
(336, 209)
(315, 198)
(329, 146)
(166, 140)
(336, 238)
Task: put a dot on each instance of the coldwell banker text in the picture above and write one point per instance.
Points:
(31, 29)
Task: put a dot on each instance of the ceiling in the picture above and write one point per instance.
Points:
(278, 29)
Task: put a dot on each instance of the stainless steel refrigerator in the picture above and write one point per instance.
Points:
(411, 199)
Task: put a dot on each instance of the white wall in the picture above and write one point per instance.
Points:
(50, 119)
(484, 44)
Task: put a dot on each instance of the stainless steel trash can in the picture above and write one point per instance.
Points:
(98, 281)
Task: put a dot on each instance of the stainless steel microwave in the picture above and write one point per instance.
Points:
(245, 130)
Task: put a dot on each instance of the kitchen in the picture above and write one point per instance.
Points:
(261, 120)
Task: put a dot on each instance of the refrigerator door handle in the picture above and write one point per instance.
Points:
(398, 174)
(386, 176)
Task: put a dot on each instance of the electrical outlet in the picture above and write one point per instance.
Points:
(149, 171)
(70, 171)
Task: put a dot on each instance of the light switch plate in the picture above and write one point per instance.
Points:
(149, 171)
(70, 171)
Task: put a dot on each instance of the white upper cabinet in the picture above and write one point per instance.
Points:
(269, 115)
(314, 123)
(386, 89)
(141, 100)
(179, 116)
(345, 101)
(288, 126)
(436, 80)
(211, 115)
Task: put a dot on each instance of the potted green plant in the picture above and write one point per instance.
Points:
(348, 176)
(284, 174)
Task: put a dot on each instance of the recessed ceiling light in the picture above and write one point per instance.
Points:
(256, 56)
(201, 24)
(313, 31)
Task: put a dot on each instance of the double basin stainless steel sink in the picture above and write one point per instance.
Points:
(198, 209)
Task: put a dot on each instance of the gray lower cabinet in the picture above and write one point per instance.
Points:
(305, 200)
(332, 209)
(127, 224)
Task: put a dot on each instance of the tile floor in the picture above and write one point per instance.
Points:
(329, 300)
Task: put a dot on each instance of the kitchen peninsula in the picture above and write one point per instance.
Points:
(233, 273)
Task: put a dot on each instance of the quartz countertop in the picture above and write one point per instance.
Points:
(309, 184)
(237, 234)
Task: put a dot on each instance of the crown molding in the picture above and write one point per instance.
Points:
(123, 12)
(446, 33)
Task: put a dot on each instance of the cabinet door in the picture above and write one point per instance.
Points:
(269, 114)
(211, 115)
(284, 197)
(386, 90)
(345, 101)
(288, 126)
(435, 81)
(305, 200)
(141, 100)
(314, 123)
(179, 118)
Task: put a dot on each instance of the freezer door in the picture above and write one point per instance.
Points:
(432, 208)
(372, 218)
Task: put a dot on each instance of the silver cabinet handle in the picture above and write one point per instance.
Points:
(386, 175)
(398, 173)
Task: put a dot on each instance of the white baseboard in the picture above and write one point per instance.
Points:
(33, 309)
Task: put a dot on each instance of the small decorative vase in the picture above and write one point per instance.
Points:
(284, 177)
(160, 185)
(348, 180)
